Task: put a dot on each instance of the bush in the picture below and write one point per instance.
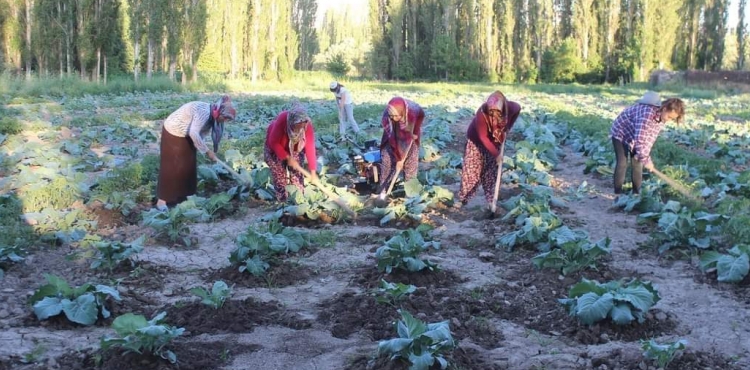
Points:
(10, 126)
(337, 65)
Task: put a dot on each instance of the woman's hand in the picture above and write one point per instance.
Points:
(292, 163)
(499, 159)
(212, 156)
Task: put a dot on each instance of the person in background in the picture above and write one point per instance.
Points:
(399, 146)
(344, 103)
(181, 137)
(486, 134)
(634, 132)
(289, 138)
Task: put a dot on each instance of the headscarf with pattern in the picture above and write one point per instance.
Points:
(221, 108)
(296, 115)
(496, 125)
(399, 107)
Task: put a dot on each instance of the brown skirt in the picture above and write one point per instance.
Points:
(178, 168)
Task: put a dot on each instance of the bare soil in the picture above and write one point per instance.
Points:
(318, 310)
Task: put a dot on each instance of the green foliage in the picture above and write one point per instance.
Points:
(572, 252)
(662, 354)
(112, 254)
(58, 194)
(314, 203)
(214, 298)
(391, 294)
(254, 247)
(9, 254)
(534, 229)
(621, 302)
(15, 233)
(402, 252)
(81, 305)
(10, 126)
(562, 63)
(337, 64)
(174, 223)
(136, 334)
(423, 345)
(731, 267)
(678, 226)
(649, 199)
(418, 199)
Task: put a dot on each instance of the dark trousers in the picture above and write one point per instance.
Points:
(621, 155)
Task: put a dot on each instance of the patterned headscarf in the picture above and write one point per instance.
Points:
(297, 114)
(399, 107)
(221, 108)
(496, 125)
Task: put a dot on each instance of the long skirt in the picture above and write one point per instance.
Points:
(388, 166)
(178, 168)
(479, 166)
(279, 175)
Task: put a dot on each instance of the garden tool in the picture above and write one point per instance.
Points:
(676, 185)
(399, 167)
(241, 179)
(336, 199)
(498, 180)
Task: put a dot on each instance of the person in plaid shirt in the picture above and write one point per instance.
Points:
(634, 132)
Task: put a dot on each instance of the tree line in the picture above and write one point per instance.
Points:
(587, 41)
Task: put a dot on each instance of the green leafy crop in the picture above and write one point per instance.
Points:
(174, 223)
(216, 297)
(402, 252)
(391, 294)
(621, 302)
(662, 354)
(731, 267)
(423, 345)
(136, 334)
(571, 252)
(80, 305)
(254, 247)
(111, 254)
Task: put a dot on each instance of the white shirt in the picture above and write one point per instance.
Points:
(345, 95)
(191, 119)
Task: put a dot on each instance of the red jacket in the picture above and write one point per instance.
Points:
(479, 132)
(277, 140)
(391, 132)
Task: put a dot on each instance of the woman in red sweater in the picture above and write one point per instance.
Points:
(399, 146)
(485, 135)
(290, 137)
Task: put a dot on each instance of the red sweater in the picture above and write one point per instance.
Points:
(479, 133)
(399, 139)
(277, 140)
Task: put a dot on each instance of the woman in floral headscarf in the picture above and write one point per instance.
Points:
(181, 136)
(399, 146)
(290, 137)
(485, 135)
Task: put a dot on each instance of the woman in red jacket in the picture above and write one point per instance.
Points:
(290, 137)
(399, 146)
(485, 135)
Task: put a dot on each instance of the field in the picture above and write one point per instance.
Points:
(308, 287)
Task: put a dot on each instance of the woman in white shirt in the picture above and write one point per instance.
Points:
(344, 103)
(181, 138)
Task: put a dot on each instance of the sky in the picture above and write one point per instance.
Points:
(362, 4)
(734, 11)
(323, 5)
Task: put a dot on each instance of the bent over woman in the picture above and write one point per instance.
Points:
(485, 135)
(634, 132)
(181, 137)
(290, 137)
(399, 146)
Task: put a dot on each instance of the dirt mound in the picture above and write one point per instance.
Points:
(280, 274)
(232, 317)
